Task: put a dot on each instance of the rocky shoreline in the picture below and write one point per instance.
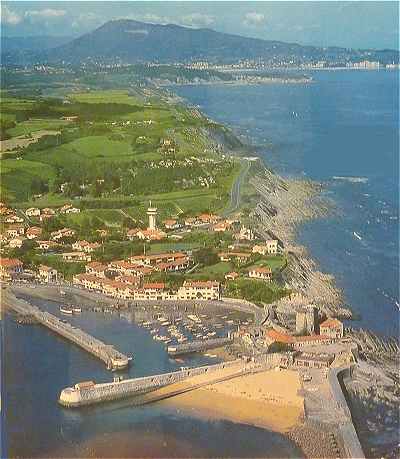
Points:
(283, 204)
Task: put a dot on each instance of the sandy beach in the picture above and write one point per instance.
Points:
(268, 399)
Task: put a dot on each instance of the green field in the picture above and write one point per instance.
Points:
(112, 153)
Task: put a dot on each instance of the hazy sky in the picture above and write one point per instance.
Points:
(349, 24)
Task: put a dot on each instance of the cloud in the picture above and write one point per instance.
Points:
(86, 20)
(254, 19)
(47, 13)
(197, 20)
(9, 17)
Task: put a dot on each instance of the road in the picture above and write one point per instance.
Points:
(236, 188)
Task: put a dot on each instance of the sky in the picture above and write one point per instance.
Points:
(352, 24)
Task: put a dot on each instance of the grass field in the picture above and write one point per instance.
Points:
(106, 97)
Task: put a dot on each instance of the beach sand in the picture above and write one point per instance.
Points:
(268, 399)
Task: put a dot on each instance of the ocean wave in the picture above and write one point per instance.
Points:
(351, 179)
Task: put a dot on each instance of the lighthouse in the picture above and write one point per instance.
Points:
(152, 213)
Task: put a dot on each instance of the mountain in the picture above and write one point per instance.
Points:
(34, 43)
(131, 41)
(21, 49)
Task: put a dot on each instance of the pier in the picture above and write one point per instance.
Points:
(114, 359)
(198, 346)
(88, 393)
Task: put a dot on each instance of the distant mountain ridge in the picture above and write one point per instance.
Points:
(131, 41)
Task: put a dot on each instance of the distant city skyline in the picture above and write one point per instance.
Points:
(345, 24)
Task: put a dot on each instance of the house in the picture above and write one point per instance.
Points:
(241, 257)
(76, 256)
(15, 230)
(32, 212)
(69, 209)
(88, 281)
(47, 274)
(33, 232)
(222, 227)
(62, 233)
(190, 221)
(117, 289)
(231, 276)
(152, 260)
(86, 246)
(133, 281)
(171, 224)
(200, 290)
(151, 234)
(150, 291)
(245, 234)
(14, 218)
(261, 273)
(46, 245)
(180, 264)
(102, 233)
(46, 213)
(269, 248)
(123, 267)
(331, 327)
(132, 233)
(16, 242)
(9, 267)
(207, 218)
(97, 269)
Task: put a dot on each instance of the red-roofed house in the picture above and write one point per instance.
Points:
(9, 267)
(33, 232)
(96, 268)
(264, 274)
(331, 327)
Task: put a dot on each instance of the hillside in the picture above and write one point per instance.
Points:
(131, 41)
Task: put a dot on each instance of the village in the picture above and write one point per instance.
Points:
(132, 279)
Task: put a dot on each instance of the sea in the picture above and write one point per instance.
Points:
(342, 130)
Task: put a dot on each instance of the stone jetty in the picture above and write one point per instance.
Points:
(114, 359)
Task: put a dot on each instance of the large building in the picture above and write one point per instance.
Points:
(200, 290)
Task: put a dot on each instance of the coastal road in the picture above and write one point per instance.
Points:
(236, 188)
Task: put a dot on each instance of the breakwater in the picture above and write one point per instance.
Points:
(114, 359)
(198, 346)
(87, 394)
(345, 422)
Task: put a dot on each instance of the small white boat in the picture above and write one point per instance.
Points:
(77, 310)
(357, 235)
(66, 310)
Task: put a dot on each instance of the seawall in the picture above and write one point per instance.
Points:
(345, 426)
(98, 393)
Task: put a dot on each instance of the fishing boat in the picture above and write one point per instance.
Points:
(66, 310)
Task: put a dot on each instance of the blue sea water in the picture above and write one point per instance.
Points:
(341, 130)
